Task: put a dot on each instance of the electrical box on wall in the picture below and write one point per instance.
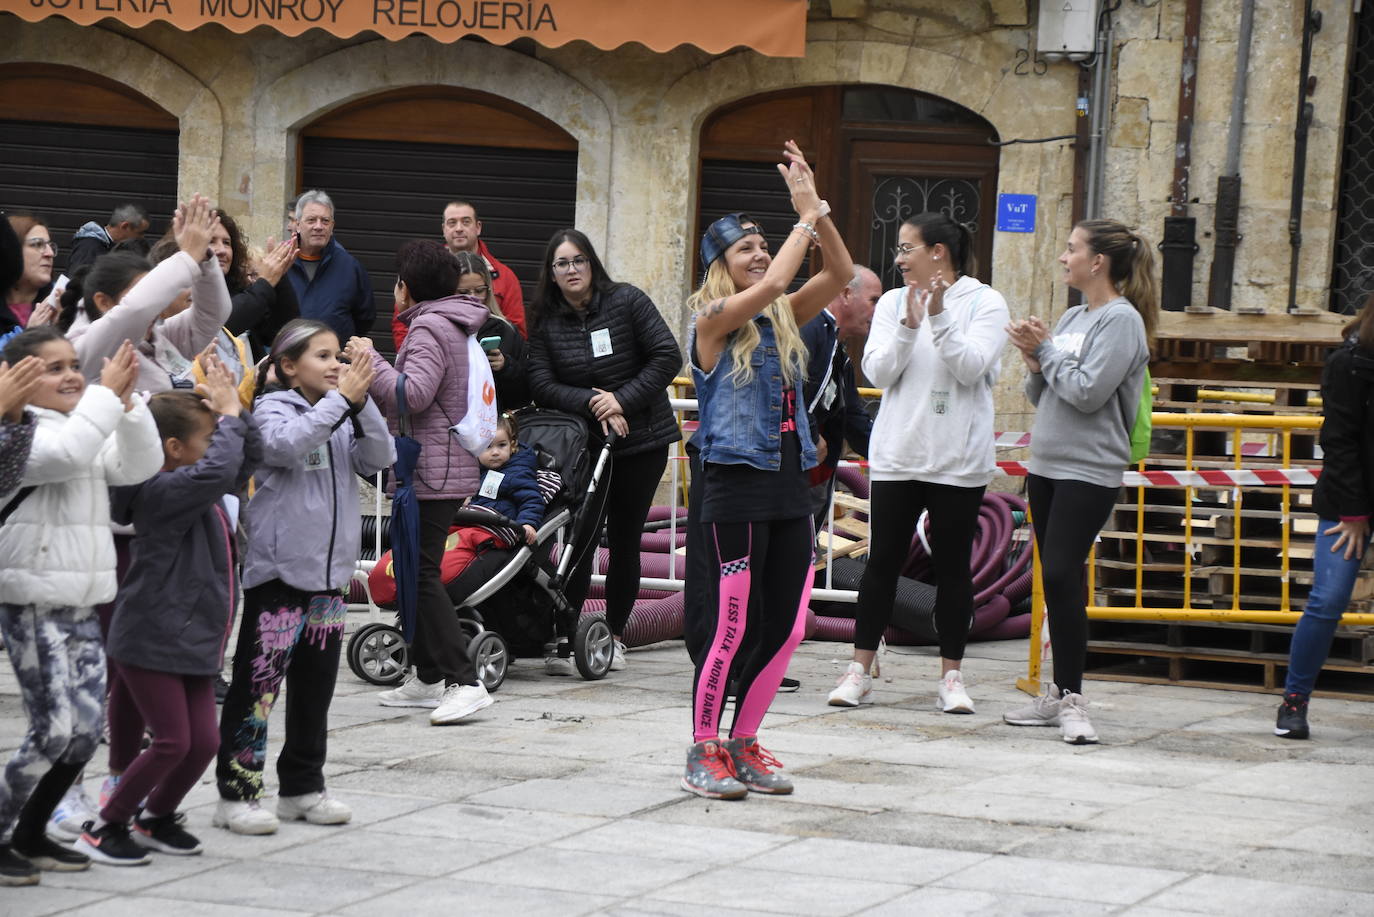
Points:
(1068, 29)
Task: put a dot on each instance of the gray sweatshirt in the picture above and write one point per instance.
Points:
(1087, 393)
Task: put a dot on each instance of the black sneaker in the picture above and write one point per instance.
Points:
(51, 856)
(111, 844)
(165, 835)
(788, 685)
(14, 869)
(1292, 720)
(221, 689)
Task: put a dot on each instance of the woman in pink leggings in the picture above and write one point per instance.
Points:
(748, 363)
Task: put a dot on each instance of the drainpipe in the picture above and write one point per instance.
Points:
(1311, 25)
(1179, 244)
(1097, 158)
(1226, 228)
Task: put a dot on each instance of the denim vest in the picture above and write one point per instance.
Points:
(742, 424)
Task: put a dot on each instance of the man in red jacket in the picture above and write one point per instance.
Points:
(463, 233)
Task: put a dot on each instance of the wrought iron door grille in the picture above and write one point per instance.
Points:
(897, 197)
(1353, 276)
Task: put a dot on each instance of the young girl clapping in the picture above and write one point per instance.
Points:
(57, 561)
(304, 531)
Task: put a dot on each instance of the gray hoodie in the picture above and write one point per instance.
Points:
(1087, 393)
(304, 525)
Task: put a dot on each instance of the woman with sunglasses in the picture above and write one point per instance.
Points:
(601, 350)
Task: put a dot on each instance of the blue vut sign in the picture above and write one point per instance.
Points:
(1016, 213)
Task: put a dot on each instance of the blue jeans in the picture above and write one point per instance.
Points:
(1333, 579)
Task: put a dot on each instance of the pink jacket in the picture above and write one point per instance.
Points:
(434, 358)
(165, 349)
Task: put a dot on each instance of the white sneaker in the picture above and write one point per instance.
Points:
(244, 816)
(315, 808)
(951, 696)
(1043, 711)
(69, 818)
(1073, 720)
(555, 664)
(460, 702)
(617, 656)
(413, 693)
(855, 687)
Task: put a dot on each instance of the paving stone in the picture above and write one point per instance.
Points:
(402, 854)
(39, 900)
(938, 831)
(670, 842)
(284, 885)
(1074, 880)
(949, 902)
(583, 797)
(1334, 869)
(862, 860)
(514, 827)
(133, 879)
(145, 905)
(1225, 896)
(448, 897)
(576, 871)
(781, 893)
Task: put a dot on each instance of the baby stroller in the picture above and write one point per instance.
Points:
(510, 600)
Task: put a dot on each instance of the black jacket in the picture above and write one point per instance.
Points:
(832, 399)
(176, 605)
(643, 359)
(512, 382)
(1346, 485)
(262, 309)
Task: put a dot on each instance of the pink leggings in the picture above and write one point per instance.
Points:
(764, 587)
(180, 711)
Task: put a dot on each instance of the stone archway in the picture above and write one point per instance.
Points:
(145, 71)
(304, 94)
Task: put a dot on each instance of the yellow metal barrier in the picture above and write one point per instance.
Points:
(1237, 425)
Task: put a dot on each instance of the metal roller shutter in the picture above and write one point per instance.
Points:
(387, 193)
(71, 173)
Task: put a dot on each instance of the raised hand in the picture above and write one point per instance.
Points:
(276, 261)
(17, 384)
(120, 372)
(935, 302)
(192, 226)
(915, 300)
(801, 181)
(358, 349)
(218, 391)
(354, 381)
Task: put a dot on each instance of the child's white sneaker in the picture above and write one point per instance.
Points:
(315, 808)
(244, 816)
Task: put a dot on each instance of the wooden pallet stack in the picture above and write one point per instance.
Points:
(1228, 363)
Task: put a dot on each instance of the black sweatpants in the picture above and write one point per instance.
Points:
(292, 636)
(440, 648)
(1066, 516)
(629, 493)
(896, 506)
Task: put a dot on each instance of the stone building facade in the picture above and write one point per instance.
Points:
(637, 116)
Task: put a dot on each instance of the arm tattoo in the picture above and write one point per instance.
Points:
(714, 309)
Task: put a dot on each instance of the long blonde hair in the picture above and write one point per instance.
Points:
(742, 342)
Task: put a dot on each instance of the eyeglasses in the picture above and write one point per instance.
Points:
(564, 266)
(38, 244)
(905, 249)
(479, 292)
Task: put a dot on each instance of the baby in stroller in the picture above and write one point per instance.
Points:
(509, 593)
(510, 486)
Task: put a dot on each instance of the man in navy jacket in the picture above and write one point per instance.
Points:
(330, 284)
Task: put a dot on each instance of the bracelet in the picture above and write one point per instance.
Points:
(824, 210)
(809, 230)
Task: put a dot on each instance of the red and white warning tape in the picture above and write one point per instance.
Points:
(1206, 477)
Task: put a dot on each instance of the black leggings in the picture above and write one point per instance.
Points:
(1067, 515)
(769, 562)
(896, 508)
(629, 493)
(440, 648)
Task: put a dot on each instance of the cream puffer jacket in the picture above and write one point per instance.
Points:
(56, 548)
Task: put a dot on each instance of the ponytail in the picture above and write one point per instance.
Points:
(1131, 267)
(938, 228)
(110, 274)
(291, 341)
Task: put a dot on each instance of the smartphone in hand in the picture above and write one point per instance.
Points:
(490, 344)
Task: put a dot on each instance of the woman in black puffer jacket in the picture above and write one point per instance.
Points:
(600, 349)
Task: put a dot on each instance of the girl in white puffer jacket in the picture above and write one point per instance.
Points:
(57, 561)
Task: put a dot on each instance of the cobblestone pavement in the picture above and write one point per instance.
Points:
(563, 798)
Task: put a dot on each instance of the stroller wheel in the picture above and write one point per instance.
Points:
(491, 658)
(378, 655)
(593, 646)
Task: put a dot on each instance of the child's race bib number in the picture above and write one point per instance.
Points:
(317, 459)
(491, 484)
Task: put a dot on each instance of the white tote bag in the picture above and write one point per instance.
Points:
(478, 426)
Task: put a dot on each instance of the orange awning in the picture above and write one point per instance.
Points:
(773, 27)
